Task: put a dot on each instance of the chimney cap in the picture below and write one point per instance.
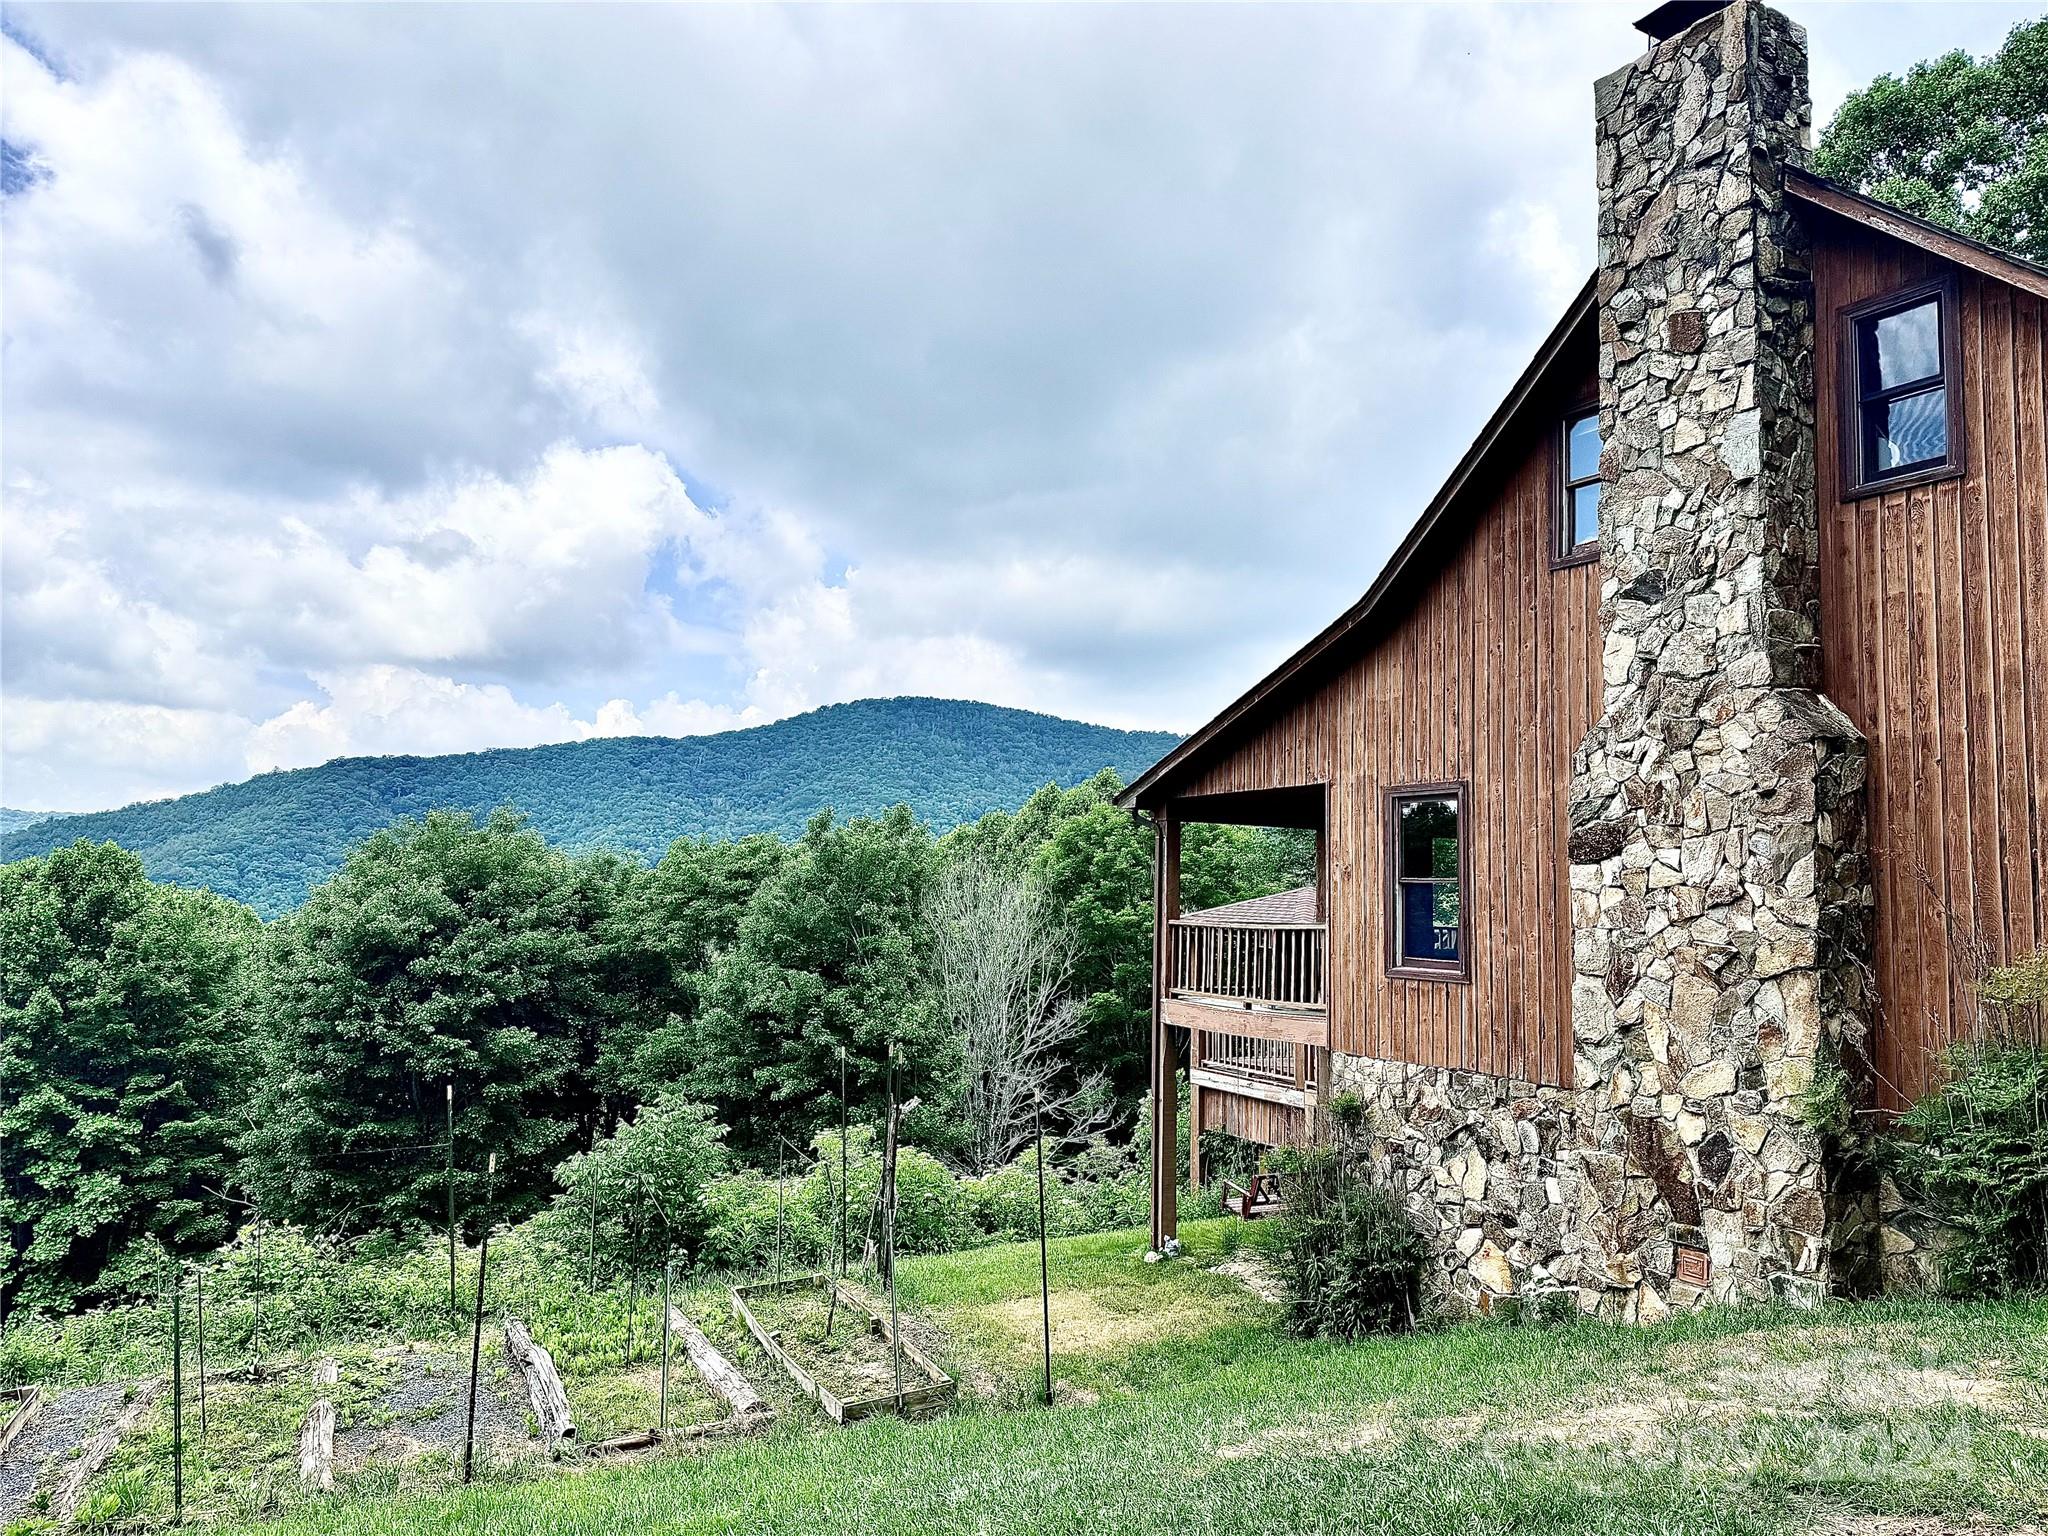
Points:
(1674, 16)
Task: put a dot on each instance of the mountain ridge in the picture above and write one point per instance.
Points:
(270, 838)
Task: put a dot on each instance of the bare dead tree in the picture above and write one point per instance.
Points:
(1004, 960)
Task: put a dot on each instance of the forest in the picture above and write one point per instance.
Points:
(464, 988)
(269, 840)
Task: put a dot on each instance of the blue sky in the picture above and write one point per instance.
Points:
(423, 378)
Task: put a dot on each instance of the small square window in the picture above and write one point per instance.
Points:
(1578, 510)
(1901, 423)
(1428, 927)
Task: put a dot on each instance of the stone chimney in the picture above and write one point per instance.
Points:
(1720, 890)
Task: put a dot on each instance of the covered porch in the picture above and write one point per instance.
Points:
(1241, 996)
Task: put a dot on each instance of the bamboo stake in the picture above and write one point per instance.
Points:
(1044, 1271)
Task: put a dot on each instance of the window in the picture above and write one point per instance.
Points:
(1428, 928)
(1578, 498)
(1901, 418)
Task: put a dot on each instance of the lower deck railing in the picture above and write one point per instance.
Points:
(1277, 1063)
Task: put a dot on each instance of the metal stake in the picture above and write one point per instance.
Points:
(178, 1394)
(199, 1329)
(476, 1328)
(452, 1314)
(667, 1269)
(1044, 1273)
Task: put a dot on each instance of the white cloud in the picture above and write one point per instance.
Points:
(684, 367)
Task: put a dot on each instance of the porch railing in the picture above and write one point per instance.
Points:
(1262, 965)
(1278, 1062)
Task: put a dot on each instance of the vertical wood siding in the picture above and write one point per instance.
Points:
(1492, 676)
(1934, 640)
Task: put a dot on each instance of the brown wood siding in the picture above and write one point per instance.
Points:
(1239, 1114)
(1491, 675)
(1934, 608)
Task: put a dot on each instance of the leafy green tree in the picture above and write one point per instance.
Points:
(444, 952)
(663, 934)
(638, 1195)
(122, 1058)
(1010, 840)
(828, 956)
(1961, 142)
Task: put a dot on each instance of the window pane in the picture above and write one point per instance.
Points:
(1586, 515)
(1429, 921)
(1902, 348)
(1910, 430)
(1584, 455)
(1429, 838)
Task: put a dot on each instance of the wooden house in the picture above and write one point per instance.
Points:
(1694, 741)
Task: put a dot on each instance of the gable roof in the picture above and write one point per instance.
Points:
(1804, 187)
(1859, 208)
(1295, 906)
(1579, 312)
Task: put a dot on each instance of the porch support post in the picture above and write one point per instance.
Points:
(1165, 1094)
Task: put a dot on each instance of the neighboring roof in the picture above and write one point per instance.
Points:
(1295, 906)
(1579, 312)
(1858, 208)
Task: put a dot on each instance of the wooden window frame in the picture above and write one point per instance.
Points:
(1426, 970)
(1851, 399)
(1563, 552)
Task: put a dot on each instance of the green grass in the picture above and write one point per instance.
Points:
(1190, 1410)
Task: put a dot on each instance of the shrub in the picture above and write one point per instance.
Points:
(1974, 1156)
(1348, 1258)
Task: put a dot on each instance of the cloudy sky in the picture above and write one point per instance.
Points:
(419, 379)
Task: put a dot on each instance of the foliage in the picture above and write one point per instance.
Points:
(443, 953)
(1974, 1155)
(663, 934)
(271, 839)
(1349, 1259)
(828, 957)
(637, 1197)
(1960, 142)
(122, 1056)
(2019, 986)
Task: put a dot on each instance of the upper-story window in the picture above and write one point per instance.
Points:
(1901, 415)
(1428, 925)
(1578, 501)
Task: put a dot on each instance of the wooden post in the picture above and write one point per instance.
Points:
(1165, 1093)
(668, 1266)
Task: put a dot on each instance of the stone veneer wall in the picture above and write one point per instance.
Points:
(1721, 895)
(1720, 890)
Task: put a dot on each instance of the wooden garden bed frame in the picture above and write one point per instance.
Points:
(933, 1387)
(26, 1401)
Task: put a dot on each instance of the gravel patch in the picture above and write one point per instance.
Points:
(427, 1410)
(61, 1425)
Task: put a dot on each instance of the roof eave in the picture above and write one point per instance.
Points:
(1146, 790)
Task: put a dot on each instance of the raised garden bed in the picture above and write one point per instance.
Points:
(17, 1406)
(852, 1371)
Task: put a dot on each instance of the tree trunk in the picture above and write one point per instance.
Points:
(724, 1378)
(316, 1434)
(543, 1385)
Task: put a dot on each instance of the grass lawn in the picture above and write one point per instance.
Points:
(1182, 1406)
